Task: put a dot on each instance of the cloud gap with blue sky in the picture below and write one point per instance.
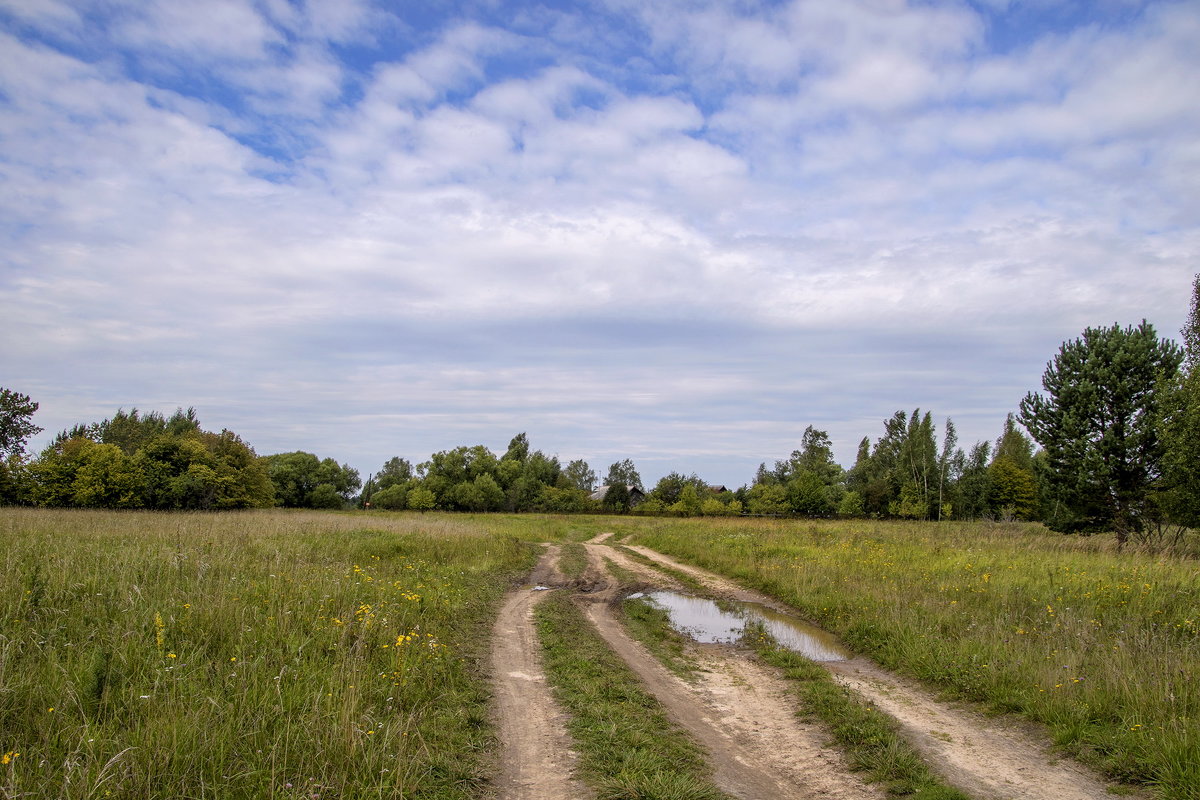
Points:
(678, 232)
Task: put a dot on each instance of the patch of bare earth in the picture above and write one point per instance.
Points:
(982, 756)
(537, 756)
(737, 710)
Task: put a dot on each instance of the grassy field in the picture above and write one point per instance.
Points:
(258, 654)
(1103, 648)
(319, 655)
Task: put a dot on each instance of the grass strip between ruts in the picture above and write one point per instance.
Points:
(679, 575)
(629, 749)
(572, 559)
(624, 576)
(651, 625)
(867, 736)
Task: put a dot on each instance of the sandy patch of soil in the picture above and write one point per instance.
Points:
(644, 571)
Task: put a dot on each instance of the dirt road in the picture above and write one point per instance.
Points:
(537, 755)
(737, 710)
(986, 758)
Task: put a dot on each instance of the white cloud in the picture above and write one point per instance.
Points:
(215, 28)
(51, 14)
(820, 212)
(455, 61)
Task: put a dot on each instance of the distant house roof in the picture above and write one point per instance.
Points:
(718, 489)
(636, 495)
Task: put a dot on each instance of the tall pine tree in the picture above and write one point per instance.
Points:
(1099, 424)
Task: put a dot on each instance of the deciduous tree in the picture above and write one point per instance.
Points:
(670, 486)
(421, 499)
(581, 475)
(623, 472)
(302, 480)
(616, 499)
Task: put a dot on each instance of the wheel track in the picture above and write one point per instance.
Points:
(737, 710)
(984, 757)
(537, 757)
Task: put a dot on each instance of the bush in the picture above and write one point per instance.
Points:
(393, 498)
(421, 499)
(325, 495)
(851, 505)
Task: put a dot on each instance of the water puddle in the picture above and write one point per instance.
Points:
(705, 622)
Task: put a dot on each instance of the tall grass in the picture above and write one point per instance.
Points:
(542, 527)
(1102, 647)
(256, 654)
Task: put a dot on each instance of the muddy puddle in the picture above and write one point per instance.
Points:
(706, 622)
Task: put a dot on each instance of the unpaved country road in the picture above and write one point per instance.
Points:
(537, 756)
(737, 710)
(984, 757)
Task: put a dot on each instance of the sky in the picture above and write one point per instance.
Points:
(677, 232)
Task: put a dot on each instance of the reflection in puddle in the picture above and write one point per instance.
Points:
(705, 622)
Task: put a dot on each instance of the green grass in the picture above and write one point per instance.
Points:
(625, 577)
(1101, 647)
(541, 527)
(572, 560)
(680, 576)
(651, 626)
(256, 654)
(629, 749)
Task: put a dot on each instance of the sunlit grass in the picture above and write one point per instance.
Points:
(257, 654)
(1102, 647)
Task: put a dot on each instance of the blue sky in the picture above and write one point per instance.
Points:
(677, 232)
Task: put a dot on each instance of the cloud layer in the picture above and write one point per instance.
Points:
(678, 232)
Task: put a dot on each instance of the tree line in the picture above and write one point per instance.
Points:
(1110, 444)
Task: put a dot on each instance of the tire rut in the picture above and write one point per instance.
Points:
(982, 756)
(737, 710)
(537, 757)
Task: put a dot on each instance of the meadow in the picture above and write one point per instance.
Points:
(1103, 648)
(317, 655)
(256, 654)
